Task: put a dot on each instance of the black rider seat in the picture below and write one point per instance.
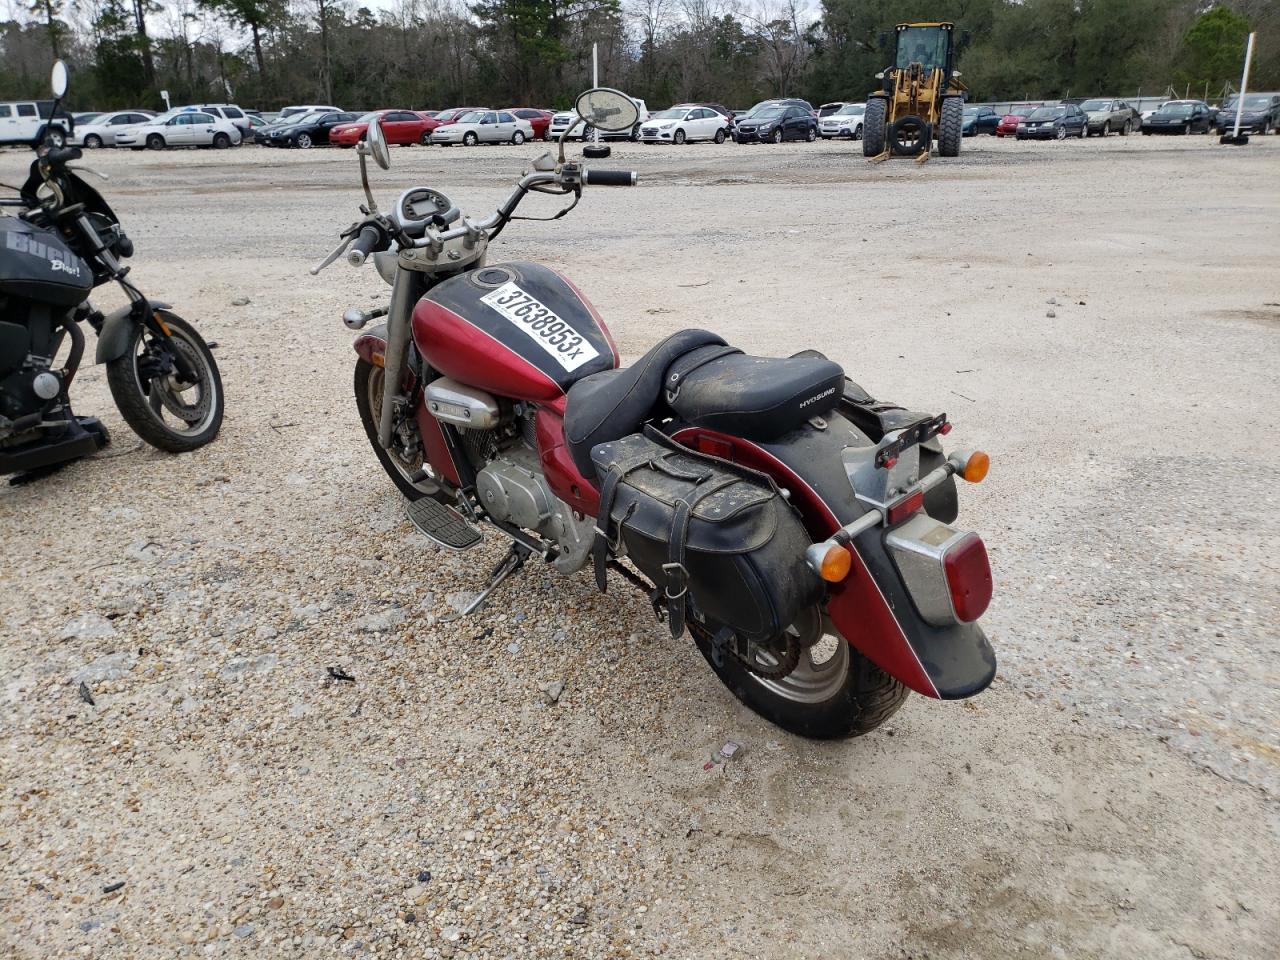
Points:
(695, 376)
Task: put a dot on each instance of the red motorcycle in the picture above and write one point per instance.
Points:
(797, 527)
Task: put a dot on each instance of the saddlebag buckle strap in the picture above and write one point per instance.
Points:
(677, 574)
(601, 546)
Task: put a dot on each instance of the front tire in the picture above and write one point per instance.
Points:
(92, 141)
(155, 142)
(1060, 133)
(469, 139)
(843, 696)
(951, 127)
(368, 388)
(143, 397)
(777, 136)
(303, 142)
(679, 138)
(873, 128)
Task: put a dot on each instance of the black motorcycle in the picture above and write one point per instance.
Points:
(64, 242)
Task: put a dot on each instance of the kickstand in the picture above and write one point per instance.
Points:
(509, 564)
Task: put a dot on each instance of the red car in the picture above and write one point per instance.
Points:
(1008, 125)
(402, 127)
(540, 120)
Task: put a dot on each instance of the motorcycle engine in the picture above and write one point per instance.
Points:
(512, 489)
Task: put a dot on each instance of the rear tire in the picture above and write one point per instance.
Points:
(517, 138)
(221, 141)
(951, 127)
(719, 137)
(859, 696)
(873, 127)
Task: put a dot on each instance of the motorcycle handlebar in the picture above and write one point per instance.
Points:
(366, 243)
(609, 178)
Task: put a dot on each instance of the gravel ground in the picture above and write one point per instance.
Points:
(1101, 316)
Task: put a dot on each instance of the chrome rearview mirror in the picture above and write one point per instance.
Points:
(58, 79)
(607, 109)
(378, 145)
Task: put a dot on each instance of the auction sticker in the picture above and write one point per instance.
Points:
(548, 330)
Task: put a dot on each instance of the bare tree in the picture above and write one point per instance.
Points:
(780, 28)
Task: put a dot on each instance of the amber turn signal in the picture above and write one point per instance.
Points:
(835, 564)
(976, 467)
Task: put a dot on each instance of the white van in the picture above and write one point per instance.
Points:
(24, 121)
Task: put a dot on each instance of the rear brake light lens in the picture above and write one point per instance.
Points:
(968, 574)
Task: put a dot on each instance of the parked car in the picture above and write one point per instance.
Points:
(1056, 123)
(453, 113)
(427, 114)
(224, 111)
(483, 126)
(719, 108)
(683, 124)
(184, 128)
(827, 109)
(845, 122)
(1106, 116)
(306, 130)
(540, 120)
(24, 122)
(979, 119)
(778, 123)
(297, 111)
(256, 123)
(102, 131)
(1008, 125)
(80, 118)
(401, 127)
(768, 104)
(1261, 114)
(1180, 116)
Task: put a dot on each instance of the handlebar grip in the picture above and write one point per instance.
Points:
(366, 243)
(610, 178)
(58, 156)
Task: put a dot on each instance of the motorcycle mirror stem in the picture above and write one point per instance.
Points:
(362, 151)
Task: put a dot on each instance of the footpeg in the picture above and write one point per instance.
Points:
(442, 524)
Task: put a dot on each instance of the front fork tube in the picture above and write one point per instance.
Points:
(399, 328)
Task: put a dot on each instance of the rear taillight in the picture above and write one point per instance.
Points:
(968, 574)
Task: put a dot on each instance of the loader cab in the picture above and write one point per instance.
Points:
(928, 44)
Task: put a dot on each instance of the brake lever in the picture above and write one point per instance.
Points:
(342, 248)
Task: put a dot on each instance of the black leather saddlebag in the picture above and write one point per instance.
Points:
(704, 531)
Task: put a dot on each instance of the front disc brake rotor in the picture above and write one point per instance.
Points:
(168, 391)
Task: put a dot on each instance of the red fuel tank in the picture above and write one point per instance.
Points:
(519, 330)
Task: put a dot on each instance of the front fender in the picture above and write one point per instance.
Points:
(117, 332)
(871, 607)
(372, 345)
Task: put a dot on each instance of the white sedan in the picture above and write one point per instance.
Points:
(683, 124)
(192, 129)
(483, 126)
(845, 122)
(104, 128)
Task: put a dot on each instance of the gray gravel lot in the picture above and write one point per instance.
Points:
(1102, 316)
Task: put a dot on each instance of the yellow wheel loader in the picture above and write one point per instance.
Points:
(921, 98)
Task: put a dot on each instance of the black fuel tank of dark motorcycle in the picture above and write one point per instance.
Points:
(36, 265)
(547, 335)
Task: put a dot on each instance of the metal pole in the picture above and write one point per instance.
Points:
(595, 82)
(1244, 84)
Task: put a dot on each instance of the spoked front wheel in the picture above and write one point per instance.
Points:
(405, 465)
(162, 408)
(831, 693)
